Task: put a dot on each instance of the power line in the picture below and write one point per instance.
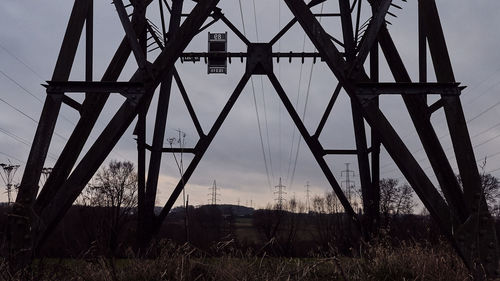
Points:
(256, 109)
(21, 86)
(295, 128)
(18, 84)
(21, 61)
(486, 91)
(10, 156)
(467, 122)
(304, 111)
(264, 99)
(23, 141)
(280, 151)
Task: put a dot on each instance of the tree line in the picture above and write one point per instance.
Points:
(104, 221)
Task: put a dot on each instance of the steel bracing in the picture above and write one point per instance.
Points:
(462, 214)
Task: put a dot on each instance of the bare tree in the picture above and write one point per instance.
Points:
(113, 193)
(394, 199)
(331, 226)
(491, 190)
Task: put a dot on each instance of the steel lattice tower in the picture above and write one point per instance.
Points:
(461, 213)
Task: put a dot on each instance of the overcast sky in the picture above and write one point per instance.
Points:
(31, 33)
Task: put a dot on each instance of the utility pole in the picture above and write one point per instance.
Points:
(9, 171)
(186, 221)
(213, 194)
(307, 197)
(181, 140)
(348, 184)
(280, 192)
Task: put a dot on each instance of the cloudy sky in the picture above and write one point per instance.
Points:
(31, 33)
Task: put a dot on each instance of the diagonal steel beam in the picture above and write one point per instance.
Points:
(315, 147)
(188, 104)
(358, 121)
(91, 109)
(391, 140)
(480, 246)
(370, 36)
(22, 213)
(122, 119)
(200, 149)
(159, 135)
(452, 106)
(131, 35)
(328, 110)
(417, 107)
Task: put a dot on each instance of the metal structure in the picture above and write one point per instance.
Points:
(308, 197)
(9, 171)
(462, 214)
(280, 192)
(213, 194)
(348, 183)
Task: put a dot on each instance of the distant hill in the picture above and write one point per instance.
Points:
(226, 209)
(236, 210)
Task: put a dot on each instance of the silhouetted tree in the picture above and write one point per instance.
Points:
(491, 189)
(113, 194)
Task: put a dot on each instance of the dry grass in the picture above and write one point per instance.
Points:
(379, 262)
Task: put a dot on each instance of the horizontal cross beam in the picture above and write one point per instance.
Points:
(341, 151)
(125, 88)
(447, 89)
(173, 149)
(189, 56)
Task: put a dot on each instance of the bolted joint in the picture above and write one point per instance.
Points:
(260, 58)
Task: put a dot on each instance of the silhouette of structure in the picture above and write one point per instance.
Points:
(280, 192)
(462, 214)
(308, 203)
(213, 194)
(348, 183)
(9, 171)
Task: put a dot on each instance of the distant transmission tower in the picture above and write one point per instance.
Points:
(307, 197)
(9, 171)
(347, 183)
(45, 174)
(280, 192)
(213, 194)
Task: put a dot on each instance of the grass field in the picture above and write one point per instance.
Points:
(183, 262)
